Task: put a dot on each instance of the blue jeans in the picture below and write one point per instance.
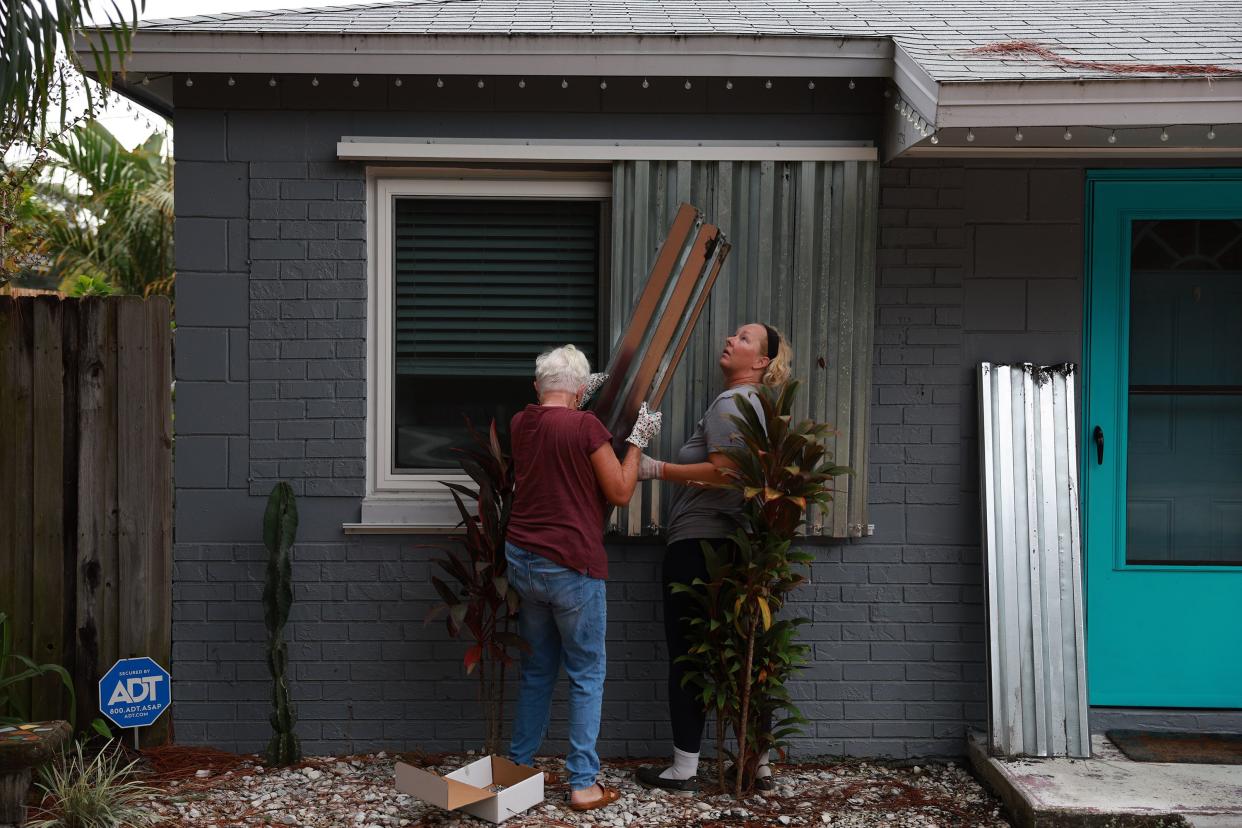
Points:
(563, 617)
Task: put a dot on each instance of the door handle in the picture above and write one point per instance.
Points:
(1098, 436)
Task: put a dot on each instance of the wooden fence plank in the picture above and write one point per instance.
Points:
(161, 493)
(8, 456)
(48, 548)
(142, 485)
(97, 570)
(17, 416)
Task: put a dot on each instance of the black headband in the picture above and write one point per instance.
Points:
(774, 342)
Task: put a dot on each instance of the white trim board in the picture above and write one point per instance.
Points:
(1103, 102)
(501, 54)
(356, 148)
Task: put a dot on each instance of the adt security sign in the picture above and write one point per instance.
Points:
(135, 692)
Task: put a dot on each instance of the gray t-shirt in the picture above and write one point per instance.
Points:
(706, 512)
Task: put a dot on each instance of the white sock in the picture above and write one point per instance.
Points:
(685, 765)
(764, 769)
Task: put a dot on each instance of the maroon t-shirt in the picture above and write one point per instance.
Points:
(558, 507)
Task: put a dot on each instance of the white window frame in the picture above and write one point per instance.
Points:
(397, 502)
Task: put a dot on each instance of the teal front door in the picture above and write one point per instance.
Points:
(1162, 438)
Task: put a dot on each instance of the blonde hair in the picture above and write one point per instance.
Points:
(778, 371)
(561, 369)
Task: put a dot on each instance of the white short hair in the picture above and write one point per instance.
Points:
(561, 369)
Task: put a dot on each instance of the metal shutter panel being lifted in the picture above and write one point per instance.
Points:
(803, 260)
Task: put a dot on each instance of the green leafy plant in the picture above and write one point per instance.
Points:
(101, 792)
(38, 64)
(481, 601)
(106, 212)
(741, 653)
(280, 525)
(16, 670)
(87, 285)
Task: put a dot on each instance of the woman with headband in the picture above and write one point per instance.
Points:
(755, 355)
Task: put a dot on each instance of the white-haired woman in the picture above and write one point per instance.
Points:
(756, 354)
(566, 473)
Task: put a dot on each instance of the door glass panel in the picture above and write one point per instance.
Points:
(1184, 452)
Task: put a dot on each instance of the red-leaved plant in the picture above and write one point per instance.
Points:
(481, 603)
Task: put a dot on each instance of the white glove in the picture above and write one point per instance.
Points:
(593, 383)
(650, 468)
(646, 426)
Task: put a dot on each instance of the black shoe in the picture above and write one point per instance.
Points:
(649, 776)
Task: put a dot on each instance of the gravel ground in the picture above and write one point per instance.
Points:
(358, 792)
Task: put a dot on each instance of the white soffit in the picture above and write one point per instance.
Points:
(352, 148)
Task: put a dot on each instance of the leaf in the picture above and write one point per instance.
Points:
(766, 611)
(473, 655)
(446, 594)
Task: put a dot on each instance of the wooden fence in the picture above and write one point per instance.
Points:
(86, 489)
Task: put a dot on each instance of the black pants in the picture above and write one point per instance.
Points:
(683, 562)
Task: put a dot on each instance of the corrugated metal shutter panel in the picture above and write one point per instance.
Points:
(484, 285)
(804, 237)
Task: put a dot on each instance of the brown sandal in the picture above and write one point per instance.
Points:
(609, 796)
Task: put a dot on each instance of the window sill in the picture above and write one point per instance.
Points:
(399, 529)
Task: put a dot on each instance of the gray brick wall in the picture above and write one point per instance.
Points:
(975, 262)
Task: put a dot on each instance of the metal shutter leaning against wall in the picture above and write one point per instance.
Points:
(804, 238)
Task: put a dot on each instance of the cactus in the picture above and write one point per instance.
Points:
(280, 524)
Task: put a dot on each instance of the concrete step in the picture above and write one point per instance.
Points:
(1109, 790)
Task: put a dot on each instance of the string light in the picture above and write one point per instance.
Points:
(189, 81)
(852, 84)
(1164, 134)
(397, 82)
(645, 84)
(687, 85)
(439, 83)
(810, 85)
(521, 83)
(1211, 133)
(935, 139)
(355, 82)
(603, 84)
(271, 81)
(1068, 136)
(767, 84)
(315, 81)
(231, 81)
(146, 80)
(970, 136)
(564, 84)
(480, 84)
(728, 84)
(1017, 134)
(1112, 137)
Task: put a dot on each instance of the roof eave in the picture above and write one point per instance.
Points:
(1108, 101)
(515, 54)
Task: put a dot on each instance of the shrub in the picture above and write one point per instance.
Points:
(741, 655)
(481, 602)
(99, 793)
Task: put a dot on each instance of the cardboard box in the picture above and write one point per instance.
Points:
(471, 789)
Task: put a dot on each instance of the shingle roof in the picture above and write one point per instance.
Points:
(938, 34)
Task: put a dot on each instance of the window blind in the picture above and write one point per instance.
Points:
(483, 285)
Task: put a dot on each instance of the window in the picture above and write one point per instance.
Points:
(471, 278)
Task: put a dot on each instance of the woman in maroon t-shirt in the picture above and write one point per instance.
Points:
(566, 472)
